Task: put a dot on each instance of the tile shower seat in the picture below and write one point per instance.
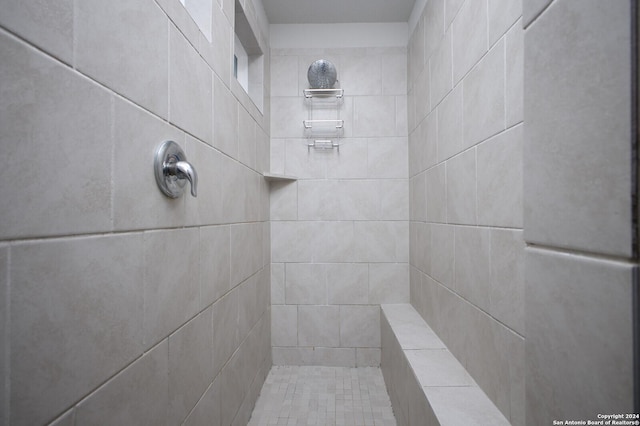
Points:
(426, 383)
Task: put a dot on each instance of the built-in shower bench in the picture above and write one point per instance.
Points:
(426, 383)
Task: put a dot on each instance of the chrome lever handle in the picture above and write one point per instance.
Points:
(172, 170)
(184, 170)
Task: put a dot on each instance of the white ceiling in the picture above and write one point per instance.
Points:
(337, 11)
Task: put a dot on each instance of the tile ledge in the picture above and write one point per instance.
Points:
(273, 177)
(454, 406)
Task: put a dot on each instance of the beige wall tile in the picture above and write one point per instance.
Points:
(190, 365)
(484, 97)
(387, 158)
(119, 42)
(138, 203)
(293, 241)
(284, 71)
(576, 149)
(366, 357)
(441, 74)
(462, 189)
(32, 21)
(514, 74)
(39, 96)
(473, 265)
(418, 194)
(225, 119)
(394, 72)
(500, 180)
(360, 326)
(277, 283)
(507, 278)
(69, 332)
(433, 27)
(442, 253)
(450, 130)
(319, 326)
(137, 395)
(284, 325)
(305, 284)
(354, 67)
(208, 207)
(582, 305)
(347, 283)
(215, 261)
(226, 336)
(246, 131)
(246, 251)
(469, 32)
(190, 87)
(388, 283)
(502, 15)
(171, 281)
(436, 194)
(374, 116)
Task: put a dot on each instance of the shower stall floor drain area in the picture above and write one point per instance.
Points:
(312, 395)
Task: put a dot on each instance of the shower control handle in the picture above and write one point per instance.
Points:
(172, 170)
(184, 170)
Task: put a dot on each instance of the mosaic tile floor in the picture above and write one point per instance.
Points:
(294, 395)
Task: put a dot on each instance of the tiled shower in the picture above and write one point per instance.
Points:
(484, 175)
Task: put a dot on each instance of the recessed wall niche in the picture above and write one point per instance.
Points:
(248, 58)
(200, 11)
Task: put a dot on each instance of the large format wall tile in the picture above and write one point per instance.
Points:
(284, 325)
(450, 132)
(138, 202)
(31, 19)
(137, 395)
(484, 97)
(441, 76)
(578, 336)
(44, 145)
(462, 189)
(225, 120)
(86, 96)
(360, 326)
(319, 326)
(132, 38)
(246, 251)
(347, 213)
(171, 281)
(190, 365)
(305, 284)
(347, 283)
(502, 15)
(469, 37)
(226, 336)
(507, 278)
(500, 180)
(190, 86)
(215, 263)
(374, 116)
(472, 272)
(576, 151)
(76, 318)
(466, 259)
(514, 74)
